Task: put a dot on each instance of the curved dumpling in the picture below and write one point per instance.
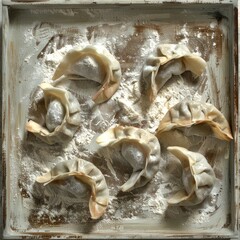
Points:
(62, 116)
(171, 59)
(66, 192)
(198, 178)
(195, 118)
(139, 148)
(84, 172)
(94, 63)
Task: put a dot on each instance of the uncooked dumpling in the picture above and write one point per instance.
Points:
(62, 116)
(86, 173)
(66, 192)
(198, 178)
(195, 118)
(139, 148)
(55, 115)
(92, 63)
(169, 60)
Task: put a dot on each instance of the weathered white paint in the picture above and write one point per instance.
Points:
(14, 90)
(74, 2)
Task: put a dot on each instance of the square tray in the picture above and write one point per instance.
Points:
(30, 28)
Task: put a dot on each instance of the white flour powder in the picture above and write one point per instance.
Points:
(37, 158)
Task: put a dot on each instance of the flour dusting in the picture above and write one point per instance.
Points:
(131, 47)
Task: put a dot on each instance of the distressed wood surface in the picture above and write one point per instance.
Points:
(67, 2)
(6, 126)
(1, 173)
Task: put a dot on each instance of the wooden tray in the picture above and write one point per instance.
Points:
(30, 27)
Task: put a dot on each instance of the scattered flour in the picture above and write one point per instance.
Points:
(38, 158)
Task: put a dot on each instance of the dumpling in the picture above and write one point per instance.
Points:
(139, 148)
(170, 59)
(93, 63)
(62, 116)
(86, 173)
(66, 192)
(198, 178)
(194, 118)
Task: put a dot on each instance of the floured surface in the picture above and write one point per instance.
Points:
(130, 39)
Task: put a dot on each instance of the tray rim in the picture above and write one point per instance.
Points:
(112, 2)
(8, 4)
